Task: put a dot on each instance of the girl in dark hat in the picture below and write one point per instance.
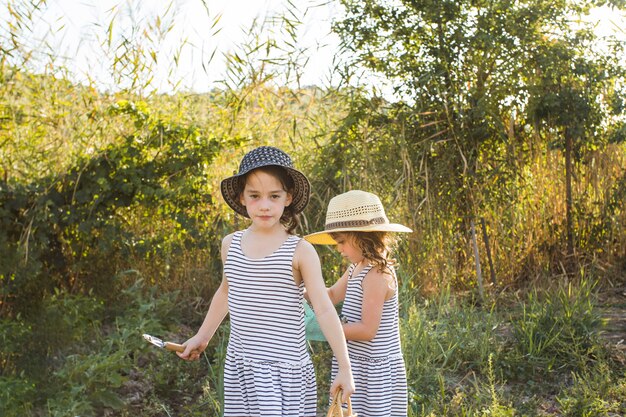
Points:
(268, 370)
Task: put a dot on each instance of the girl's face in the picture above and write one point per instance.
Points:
(264, 199)
(347, 246)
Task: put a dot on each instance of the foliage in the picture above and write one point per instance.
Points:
(456, 356)
(82, 355)
(556, 330)
(480, 85)
(18, 395)
(463, 360)
(442, 340)
(93, 378)
(595, 391)
(110, 216)
(76, 225)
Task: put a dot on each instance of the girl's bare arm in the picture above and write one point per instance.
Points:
(337, 292)
(308, 265)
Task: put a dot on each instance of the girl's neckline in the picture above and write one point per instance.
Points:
(366, 268)
(262, 257)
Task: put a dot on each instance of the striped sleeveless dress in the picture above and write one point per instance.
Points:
(268, 370)
(377, 365)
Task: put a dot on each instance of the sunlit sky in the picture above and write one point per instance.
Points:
(206, 30)
(77, 30)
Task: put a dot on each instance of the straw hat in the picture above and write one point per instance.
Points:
(261, 157)
(354, 211)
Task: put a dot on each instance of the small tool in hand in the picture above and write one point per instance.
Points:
(175, 347)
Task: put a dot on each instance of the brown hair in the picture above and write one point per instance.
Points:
(376, 247)
(289, 219)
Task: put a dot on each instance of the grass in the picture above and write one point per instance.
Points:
(540, 354)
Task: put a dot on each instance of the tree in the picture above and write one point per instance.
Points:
(468, 70)
(571, 92)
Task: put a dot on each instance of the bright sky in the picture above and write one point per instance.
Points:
(77, 31)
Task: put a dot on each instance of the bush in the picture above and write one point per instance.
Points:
(16, 396)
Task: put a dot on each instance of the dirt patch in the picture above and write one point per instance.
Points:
(612, 308)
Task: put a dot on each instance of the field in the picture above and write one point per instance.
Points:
(504, 150)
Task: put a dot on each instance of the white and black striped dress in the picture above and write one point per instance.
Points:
(377, 365)
(268, 370)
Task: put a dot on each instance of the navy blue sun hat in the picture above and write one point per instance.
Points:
(261, 157)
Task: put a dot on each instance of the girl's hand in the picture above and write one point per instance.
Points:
(344, 381)
(193, 348)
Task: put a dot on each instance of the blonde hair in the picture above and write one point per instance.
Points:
(375, 246)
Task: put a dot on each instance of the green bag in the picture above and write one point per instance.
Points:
(312, 327)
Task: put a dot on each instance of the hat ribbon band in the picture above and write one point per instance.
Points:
(355, 223)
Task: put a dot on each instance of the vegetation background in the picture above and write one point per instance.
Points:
(503, 148)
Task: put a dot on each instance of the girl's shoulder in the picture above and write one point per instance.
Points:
(304, 248)
(226, 241)
(305, 254)
(373, 271)
(378, 275)
(380, 281)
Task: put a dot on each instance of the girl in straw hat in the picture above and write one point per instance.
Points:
(268, 371)
(356, 223)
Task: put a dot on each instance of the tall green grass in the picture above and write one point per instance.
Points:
(508, 356)
(557, 329)
(504, 357)
(75, 354)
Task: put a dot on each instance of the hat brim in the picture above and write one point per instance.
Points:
(299, 197)
(324, 237)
